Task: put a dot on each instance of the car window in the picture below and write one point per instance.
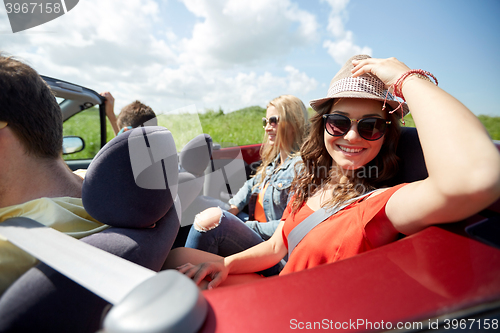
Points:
(86, 124)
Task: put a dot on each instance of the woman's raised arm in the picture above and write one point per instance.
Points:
(462, 161)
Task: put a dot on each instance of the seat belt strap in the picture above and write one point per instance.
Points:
(143, 300)
(106, 275)
(310, 222)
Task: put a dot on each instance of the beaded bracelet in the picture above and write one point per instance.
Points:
(418, 72)
(396, 87)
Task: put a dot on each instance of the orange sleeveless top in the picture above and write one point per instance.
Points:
(340, 236)
(259, 213)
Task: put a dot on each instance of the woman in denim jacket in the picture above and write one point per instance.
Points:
(266, 194)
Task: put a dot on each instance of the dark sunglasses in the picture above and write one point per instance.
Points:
(371, 128)
(272, 120)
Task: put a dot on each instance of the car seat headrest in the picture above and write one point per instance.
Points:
(195, 156)
(132, 181)
(411, 158)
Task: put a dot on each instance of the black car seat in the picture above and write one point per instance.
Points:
(130, 185)
(411, 158)
(193, 159)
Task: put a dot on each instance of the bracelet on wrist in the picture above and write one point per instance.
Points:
(420, 73)
(397, 87)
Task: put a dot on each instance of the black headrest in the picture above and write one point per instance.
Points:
(132, 181)
(195, 156)
(411, 158)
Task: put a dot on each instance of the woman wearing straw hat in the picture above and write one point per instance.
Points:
(354, 134)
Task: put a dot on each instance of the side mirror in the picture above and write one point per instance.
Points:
(72, 144)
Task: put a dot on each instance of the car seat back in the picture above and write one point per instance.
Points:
(130, 185)
(194, 159)
(411, 158)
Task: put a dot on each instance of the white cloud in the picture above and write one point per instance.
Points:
(299, 81)
(236, 32)
(213, 89)
(337, 17)
(344, 46)
(338, 6)
(95, 35)
(127, 47)
(250, 87)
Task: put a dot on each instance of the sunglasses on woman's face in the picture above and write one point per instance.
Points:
(272, 120)
(371, 128)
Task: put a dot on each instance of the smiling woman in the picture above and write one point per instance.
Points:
(353, 129)
(266, 194)
(353, 143)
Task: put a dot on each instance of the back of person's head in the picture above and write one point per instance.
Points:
(30, 109)
(134, 115)
(292, 124)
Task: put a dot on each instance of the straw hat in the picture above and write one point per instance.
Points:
(343, 85)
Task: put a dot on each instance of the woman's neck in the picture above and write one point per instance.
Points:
(340, 175)
(283, 156)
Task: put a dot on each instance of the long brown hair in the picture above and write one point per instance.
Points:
(317, 170)
(292, 128)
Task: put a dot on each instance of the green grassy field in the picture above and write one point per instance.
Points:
(86, 125)
(236, 128)
(242, 127)
(492, 124)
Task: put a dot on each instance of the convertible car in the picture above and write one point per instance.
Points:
(444, 278)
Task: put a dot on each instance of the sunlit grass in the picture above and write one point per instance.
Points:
(86, 125)
(492, 125)
(238, 128)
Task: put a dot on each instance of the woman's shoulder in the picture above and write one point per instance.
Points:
(385, 191)
(295, 157)
(291, 160)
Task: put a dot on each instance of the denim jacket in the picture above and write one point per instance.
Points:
(276, 195)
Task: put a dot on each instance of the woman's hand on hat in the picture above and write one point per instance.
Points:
(388, 70)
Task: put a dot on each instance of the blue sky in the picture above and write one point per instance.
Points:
(231, 54)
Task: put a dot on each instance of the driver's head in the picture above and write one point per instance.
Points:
(29, 109)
